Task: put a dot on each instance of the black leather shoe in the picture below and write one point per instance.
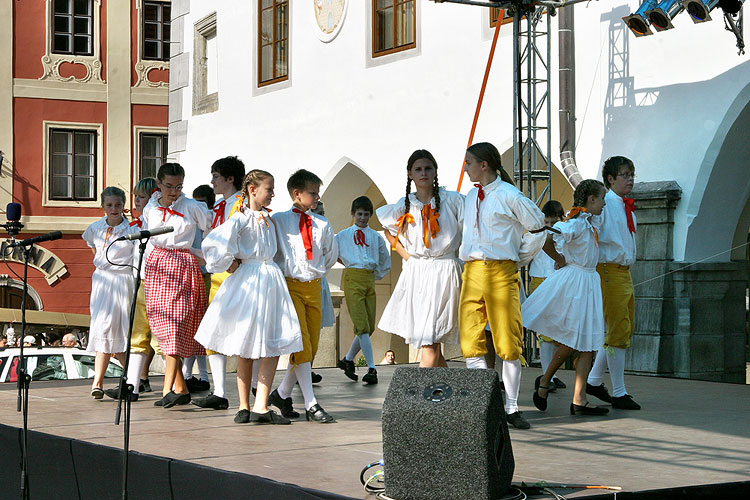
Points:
(159, 402)
(144, 386)
(539, 402)
(212, 401)
(516, 420)
(622, 403)
(316, 377)
(114, 393)
(197, 385)
(242, 417)
(317, 414)
(559, 384)
(599, 391)
(284, 405)
(173, 399)
(271, 417)
(348, 368)
(587, 409)
(371, 377)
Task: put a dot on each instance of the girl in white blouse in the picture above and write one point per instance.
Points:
(252, 314)
(425, 229)
(111, 285)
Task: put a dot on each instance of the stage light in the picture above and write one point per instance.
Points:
(637, 22)
(699, 9)
(661, 17)
(731, 6)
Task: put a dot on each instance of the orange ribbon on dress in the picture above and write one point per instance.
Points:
(138, 222)
(167, 210)
(219, 210)
(305, 230)
(359, 238)
(400, 223)
(430, 226)
(629, 208)
(263, 217)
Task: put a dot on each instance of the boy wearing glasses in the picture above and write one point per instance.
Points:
(616, 255)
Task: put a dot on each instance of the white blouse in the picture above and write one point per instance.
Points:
(616, 242)
(412, 235)
(372, 254)
(496, 231)
(185, 215)
(100, 235)
(291, 255)
(577, 239)
(223, 209)
(542, 266)
(247, 235)
(134, 228)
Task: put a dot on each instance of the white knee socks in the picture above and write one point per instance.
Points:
(135, 367)
(512, 382)
(187, 367)
(353, 349)
(600, 366)
(202, 370)
(546, 353)
(218, 364)
(366, 346)
(285, 388)
(476, 363)
(616, 362)
(304, 376)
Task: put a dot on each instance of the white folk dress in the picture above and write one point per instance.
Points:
(567, 306)
(423, 308)
(252, 314)
(111, 287)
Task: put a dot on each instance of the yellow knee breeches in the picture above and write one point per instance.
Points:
(619, 304)
(359, 291)
(306, 298)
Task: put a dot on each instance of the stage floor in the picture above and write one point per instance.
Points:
(688, 433)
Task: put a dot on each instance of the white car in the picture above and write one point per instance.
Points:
(53, 363)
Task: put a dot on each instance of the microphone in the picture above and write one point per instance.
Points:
(146, 233)
(13, 213)
(54, 235)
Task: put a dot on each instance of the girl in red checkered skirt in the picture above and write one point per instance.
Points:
(175, 292)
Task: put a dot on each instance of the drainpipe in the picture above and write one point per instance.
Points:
(567, 77)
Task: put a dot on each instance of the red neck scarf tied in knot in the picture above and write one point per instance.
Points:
(305, 230)
(137, 222)
(629, 208)
(430, 226)
(219, 210)
(480, 198)
(167, 210)
(359, 238)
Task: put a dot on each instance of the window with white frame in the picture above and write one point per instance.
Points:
(205, 66)
(156, 28)
(73, 27)
(152, 152)
(72, 164)
(273, 41)
(393, 26)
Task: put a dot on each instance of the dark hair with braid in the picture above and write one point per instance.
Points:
(614, 165)
(421, 154)
(585, 189)
(484, 151)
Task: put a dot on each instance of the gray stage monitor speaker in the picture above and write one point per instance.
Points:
(445, 435)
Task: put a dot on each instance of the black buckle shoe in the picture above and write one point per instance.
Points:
(316, 413)
(197, 385)
(622, 402)
(539, 401)
(271, 417)
(599, 391)
(371, 377)
(242, 417)
(144, 386)
(212, 401)
(173, 399)
(348, 368)
(316, 377)
(284, 405)
(114, 393)
(587, 409)
(516, 420)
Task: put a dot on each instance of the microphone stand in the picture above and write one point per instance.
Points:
(125, 389)
(24, 381)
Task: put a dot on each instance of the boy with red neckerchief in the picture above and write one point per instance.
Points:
(306, 251)
(616, 255)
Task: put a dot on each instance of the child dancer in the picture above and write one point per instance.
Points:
(616, 255)
(252, 314)
(142, 343)
(567, 306)
(226, 179)
(111, 285)
(175, 292)
(425, 229)
(307, 250)
(364, 253)
(494, 246)
(540, 268)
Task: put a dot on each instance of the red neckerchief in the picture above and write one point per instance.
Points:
(480, 198)
(167, 210)
(359, 238)
(305, 230)
(138, 222)
(219, 209)
(629, 208)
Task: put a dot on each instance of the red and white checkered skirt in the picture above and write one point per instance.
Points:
(175, 300)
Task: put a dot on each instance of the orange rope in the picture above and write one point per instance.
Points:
(481, 92)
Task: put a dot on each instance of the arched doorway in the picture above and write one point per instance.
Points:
(11, 295)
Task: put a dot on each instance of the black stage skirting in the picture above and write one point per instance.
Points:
(73, 469)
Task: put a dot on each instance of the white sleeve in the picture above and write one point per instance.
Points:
(389, 214)
(221, 245)
(384, 259)
(330, 247)
(531, 218)
(88, 236)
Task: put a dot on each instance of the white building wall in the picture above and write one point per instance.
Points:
(338, 102)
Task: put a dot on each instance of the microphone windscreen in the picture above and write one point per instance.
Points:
(13, 211)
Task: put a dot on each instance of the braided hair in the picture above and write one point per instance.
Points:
(484, 151)
(585, 189)
(421, 154)
(254, 177)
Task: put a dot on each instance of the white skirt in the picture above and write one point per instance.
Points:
(111, 296)
(423, 308)
(567, 307)
(252, 315)
(328, 318)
